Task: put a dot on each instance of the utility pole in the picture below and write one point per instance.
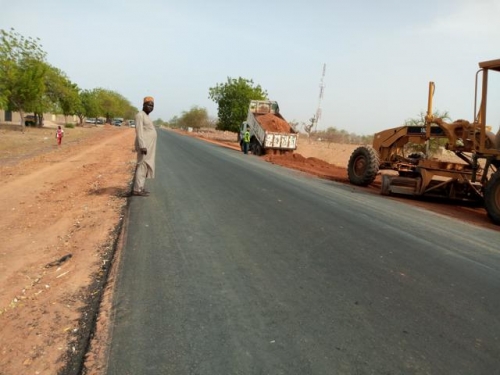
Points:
(321, 89)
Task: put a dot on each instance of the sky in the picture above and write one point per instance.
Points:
(379, 56)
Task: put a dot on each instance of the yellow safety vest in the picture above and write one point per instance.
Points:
(246, 137)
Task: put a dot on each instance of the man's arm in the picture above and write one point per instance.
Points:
(139, 131)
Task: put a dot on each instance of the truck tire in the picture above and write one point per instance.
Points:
(363, 166)
(256, 147)
(492, 197)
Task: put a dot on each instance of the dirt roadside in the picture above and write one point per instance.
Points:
(63, 208)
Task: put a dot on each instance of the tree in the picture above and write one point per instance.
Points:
(159, 122)
(308, 127)
(59, 95)
(63, 94)
(113, 104)
(433, 144)
(89, 105)
(194, 118)
(29, 84)
(174, 122)
(70, 101)
(233, 98)
(108, 103)
(22, 71)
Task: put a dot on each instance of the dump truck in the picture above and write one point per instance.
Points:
(269, 131)
(473, 177)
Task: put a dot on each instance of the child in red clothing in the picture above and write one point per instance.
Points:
(59, 135)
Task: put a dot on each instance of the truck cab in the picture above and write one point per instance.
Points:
(262, 107)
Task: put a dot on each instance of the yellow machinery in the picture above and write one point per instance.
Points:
(476, 177)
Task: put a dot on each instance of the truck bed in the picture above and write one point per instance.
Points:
(273, 123)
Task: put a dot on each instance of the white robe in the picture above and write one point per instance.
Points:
(145, 137)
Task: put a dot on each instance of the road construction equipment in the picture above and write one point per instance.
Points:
(269, 131)
(474, 177)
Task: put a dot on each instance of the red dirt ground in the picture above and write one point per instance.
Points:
(61, 207)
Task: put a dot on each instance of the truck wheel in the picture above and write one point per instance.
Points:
(492, 197)
(257, 149)
(363, 166)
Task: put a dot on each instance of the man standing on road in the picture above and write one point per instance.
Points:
(145, 145)
(246, 141)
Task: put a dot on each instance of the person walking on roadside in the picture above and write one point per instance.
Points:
(59, 135)
(145, 145)
(246, 141)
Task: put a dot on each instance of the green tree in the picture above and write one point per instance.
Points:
(108, 103)
(433, 144)
(130, 111)
(194, 118)
(22, 72)
(174, 122)
(63, 94)
(233, 98)
(60, 95)
(89, 105)
(114, 104)
(70, 102)
(158, 122)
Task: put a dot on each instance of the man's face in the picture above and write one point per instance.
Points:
(148, 107)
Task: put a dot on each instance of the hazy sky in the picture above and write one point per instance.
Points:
(379, 55)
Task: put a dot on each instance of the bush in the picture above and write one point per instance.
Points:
(69, 125)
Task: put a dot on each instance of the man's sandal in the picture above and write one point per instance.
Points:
(140, 193)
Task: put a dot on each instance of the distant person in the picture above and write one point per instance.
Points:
(145, 145)
(246, 141)
(59, 135)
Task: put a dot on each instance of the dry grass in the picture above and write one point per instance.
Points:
(15, 144)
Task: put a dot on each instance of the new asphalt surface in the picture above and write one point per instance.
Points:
(237, 266)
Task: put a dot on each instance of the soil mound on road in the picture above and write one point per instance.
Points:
(310, 165)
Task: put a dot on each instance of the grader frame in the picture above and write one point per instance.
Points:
(476, 177)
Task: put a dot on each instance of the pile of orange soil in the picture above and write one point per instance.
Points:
(273, 123)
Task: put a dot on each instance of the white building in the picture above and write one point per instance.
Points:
(14, 118)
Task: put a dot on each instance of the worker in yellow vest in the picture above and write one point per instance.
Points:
(246, 141)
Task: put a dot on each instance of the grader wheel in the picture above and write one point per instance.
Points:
(363, 166)
(492, 197)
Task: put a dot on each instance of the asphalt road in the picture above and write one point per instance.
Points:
(237, 266)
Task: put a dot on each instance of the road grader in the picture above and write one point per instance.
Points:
(474, 177)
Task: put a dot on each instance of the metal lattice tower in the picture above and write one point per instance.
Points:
(321, 90)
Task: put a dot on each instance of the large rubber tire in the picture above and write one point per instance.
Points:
(492, 197)
(257, 148)
(363, 166)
